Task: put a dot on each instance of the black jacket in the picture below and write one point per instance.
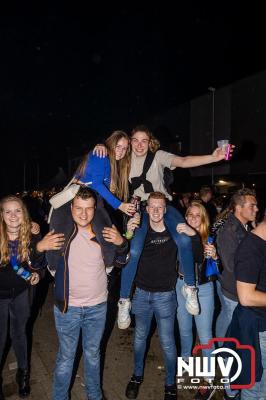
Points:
(61, 283)
(229, 237)
(11, 284)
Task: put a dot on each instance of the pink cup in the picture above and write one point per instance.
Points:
(225, 145)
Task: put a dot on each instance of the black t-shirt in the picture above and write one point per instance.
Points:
(157, 265)
(250, 265)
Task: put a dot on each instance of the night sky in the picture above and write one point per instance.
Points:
(68, 81)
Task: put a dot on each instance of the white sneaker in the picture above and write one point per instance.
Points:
(191, 295)
(109, 270)
(123, 317)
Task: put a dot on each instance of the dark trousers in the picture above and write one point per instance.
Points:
(15, 311)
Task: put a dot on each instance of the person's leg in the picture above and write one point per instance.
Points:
(223, 321)
(4, 310)
(93, 323)
(164, 306)
(183, 242)
(102, 219)
(19, 311)
(258, 391)
(205, 318)
(184, 322)
(4, 304)
(68, 329)
(185, 255)
(61, 222)
(227, 308)
(142, 309)
(136, 246)
(128, 273)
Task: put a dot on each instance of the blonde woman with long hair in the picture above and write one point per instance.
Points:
(197, 227)
(21, 255)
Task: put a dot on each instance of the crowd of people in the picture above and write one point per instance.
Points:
(117, 214)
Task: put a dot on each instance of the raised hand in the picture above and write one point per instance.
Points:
(127, 208)
(51, 241)
(100, 150)
(112, 235)
(35, 228)
(185, 228)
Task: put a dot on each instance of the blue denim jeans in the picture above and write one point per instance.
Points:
(227, 309)
(91, 321)
(203, 320)
(183, 242)
(258, 391)
(223, 321)
(163, 306)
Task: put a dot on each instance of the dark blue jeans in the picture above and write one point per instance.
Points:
(183, 242)
(91, 320)
(163, 306)
(14, 314)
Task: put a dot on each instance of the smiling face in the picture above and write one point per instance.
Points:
(83, 211)
(140, 143)
(156, 209)
(121, 148)
(12, 213)
(193, 217)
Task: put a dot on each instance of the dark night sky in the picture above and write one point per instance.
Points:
(68, 81)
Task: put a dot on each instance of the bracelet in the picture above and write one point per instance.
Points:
(128, 235)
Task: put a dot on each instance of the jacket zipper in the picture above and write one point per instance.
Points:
(66, 265)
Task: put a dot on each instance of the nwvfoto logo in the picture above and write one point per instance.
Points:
(225, 357)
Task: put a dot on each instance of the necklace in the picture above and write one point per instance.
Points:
(12, 232)
(12, 235)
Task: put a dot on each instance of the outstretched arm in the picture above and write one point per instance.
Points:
(196, 161)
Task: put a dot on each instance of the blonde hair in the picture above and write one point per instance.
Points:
(204, 220)
(154, 143)
(24, 233)
(119, 168)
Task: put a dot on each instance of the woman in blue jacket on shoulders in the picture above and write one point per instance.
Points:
(108, 176)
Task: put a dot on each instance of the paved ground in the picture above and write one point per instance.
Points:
(117, 366)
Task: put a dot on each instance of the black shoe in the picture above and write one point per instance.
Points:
(236, 397)
(2, 397)
(23, 381)
(170, 392)
(133, 385)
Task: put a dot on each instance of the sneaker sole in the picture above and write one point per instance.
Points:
(191, 310)
(124, 325)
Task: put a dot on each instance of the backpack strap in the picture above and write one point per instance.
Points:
(141, 180)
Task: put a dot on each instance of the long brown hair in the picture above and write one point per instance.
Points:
(204, 220)
(24, 232)
(154, 143)
(119, 169)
